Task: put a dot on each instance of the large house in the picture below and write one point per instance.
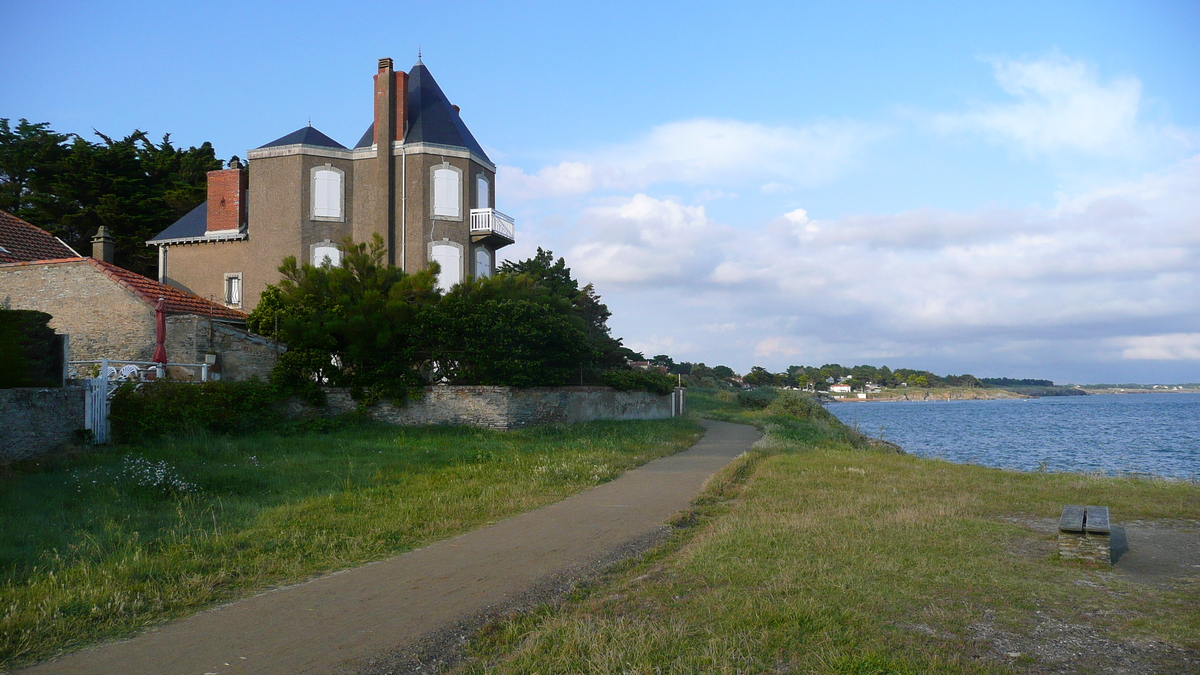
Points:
(417, 178)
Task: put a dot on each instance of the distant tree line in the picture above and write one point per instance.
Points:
(71, 186)
(820, 378)
(1010, 382)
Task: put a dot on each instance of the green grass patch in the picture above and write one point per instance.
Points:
(97, 545)
(820, 556)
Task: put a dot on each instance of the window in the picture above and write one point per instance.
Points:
(481, 192)
(483, 263)
(448, 254)
(327, 197)
(326, 250)
(447, 189)
(233, 289)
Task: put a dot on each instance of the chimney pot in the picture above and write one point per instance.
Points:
(385, 64)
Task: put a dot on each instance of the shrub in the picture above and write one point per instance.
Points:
(165, 408)
(758, 398)
(645, 380)
(30, 352)
(800, 406)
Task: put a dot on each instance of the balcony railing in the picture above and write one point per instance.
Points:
(491, 221)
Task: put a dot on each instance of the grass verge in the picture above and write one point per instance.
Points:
(838, 559)
(98, 545)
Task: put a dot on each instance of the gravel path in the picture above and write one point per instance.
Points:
(350, 621)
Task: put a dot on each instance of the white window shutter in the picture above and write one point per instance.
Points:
(327, 194)
(446, 193)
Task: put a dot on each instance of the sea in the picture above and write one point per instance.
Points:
(1115, 434)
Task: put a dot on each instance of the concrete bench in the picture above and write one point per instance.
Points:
(1083, 534)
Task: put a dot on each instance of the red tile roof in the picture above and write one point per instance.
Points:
(21, 241)
(178, 302)
(149, 290)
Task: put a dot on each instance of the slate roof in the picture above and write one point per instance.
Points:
(431, 118)
(22, 242)
(307, 136)
(193, 224)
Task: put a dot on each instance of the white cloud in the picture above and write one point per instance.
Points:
(1098, 267)
(1063, 105)
(704, 152)
(1169, 347)
(642, 240)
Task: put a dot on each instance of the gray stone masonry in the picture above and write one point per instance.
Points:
(502, 407)
(36, 421)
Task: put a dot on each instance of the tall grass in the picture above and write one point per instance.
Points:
(836, 559)
(98, 545)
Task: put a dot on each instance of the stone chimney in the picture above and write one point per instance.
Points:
(104, 246)
(227, 200)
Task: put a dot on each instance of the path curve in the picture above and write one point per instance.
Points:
(340, 621)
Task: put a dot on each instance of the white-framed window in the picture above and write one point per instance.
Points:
(328, 193)
(233, 289)
(447, 191)
(483, 263)
(482, 190)
(448, 254)
(326, 251)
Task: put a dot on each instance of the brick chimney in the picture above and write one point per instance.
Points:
(391, 101)
(391, 106)
(103, 245)
(227, 199)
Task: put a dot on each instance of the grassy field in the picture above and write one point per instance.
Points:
(98, 545)
(818, 555)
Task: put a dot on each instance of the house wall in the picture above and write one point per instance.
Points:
(200, 269)
(241, 355)
(503, 407)
(37, 421)
(104, 320)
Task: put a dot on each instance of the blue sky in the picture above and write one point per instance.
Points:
(1003, 190)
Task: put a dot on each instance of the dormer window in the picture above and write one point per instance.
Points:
(328, 193)
(447, 192)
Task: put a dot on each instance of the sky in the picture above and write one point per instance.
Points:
(1003, 189)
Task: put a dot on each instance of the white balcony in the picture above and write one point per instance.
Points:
(491, 224)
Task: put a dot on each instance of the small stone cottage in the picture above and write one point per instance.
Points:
(109, 312)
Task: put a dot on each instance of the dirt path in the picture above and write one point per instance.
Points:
(340, 622)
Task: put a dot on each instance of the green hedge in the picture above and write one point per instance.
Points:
(646, 380)
(165, 408)
(30, 352)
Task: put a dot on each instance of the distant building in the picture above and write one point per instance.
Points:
(417, 178)
(840, 388)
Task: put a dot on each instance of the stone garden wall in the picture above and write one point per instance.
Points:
(508, 407)
(35, 421)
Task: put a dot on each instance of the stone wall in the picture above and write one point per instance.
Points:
(507, 407)
(241, 354)
(36, 421)
(104, 320)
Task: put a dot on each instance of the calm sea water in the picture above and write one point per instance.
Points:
(1155, 434)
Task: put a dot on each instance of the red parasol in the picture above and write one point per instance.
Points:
(160, 332)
